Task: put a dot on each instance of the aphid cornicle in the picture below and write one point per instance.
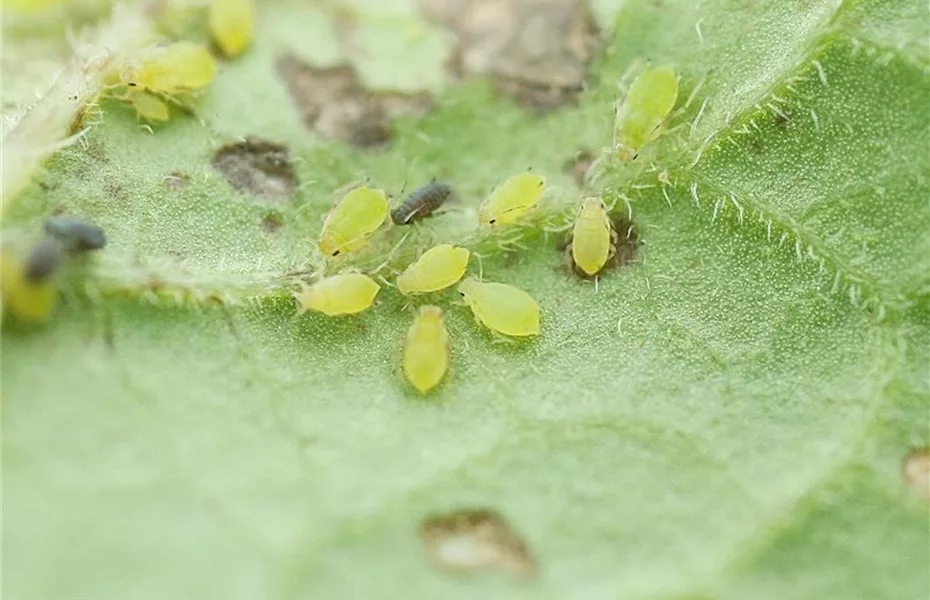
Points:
(176, 68)
(512, 199)
(640, 116)
(232, 23)
(421, 203)
(76, 235)
(345, 294)
(436, 269)
(501, 307)
(349, 225)
(426, 349)
(28, 284)
(591, 236)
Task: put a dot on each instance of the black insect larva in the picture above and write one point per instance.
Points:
(76, 234)
(421, 203)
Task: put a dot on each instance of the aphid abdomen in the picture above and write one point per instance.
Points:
(426, 350)
(76, 235)
(232, 23)
(421, 203)
(345, 294)
(30, 296)
(352, 221)
(436, 269)
(501, 307)
(591, 237)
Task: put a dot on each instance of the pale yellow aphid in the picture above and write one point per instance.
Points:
(436, 269)
(27, 285)
(512, 199)
(149, 106)
(640, 117)
(501, 307)
(232, 23)
(344, 294)
(426, 350)
(175, 68)
(591, 236)
(349, 225)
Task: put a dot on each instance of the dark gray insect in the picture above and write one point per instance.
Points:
(42, 261)
(421, 202)
(76, 235)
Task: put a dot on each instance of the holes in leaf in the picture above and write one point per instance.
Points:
(475, 539)
(257, 167)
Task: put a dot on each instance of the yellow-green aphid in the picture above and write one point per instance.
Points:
(426, 350)
(591, 236)
(27, 283)
(512, 199)
(232, 23)
(175, 68)
(345, 294)
(349, 225)
(148, 106)
(501, 307)
(640, 117)
(436, 269)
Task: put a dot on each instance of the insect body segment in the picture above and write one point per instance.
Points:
(512, 199)
(176, 68)
(501, 307)
(232, 23)
(75, 234)
(149, 106)
(426, 350)
(438, 268)
(349, 225)
(645, 108)
(421, 203)
(591, 237)
(345, 294)
(27, 284)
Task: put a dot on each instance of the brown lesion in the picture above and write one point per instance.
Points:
(257, 167)
(578, 166)
(537, 51)
(333, 102)
(476, 539)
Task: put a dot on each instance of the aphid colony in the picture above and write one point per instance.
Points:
(176, 72)
(27, 279)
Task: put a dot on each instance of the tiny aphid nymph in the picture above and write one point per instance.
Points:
(426, 349)
(352, 221)
(345, 294)
(591, 236)
(421, 203)
(641, 115)
(501, 307)
(436, 269)
(232, 23)
(28, 284)
(76, 235)
(512, 199)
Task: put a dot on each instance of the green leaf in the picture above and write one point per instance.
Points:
(724, 418)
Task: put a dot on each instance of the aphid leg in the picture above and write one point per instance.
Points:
(596, 280)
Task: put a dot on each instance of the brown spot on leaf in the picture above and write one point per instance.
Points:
(257, 167)
(272, 222)
(538, 51)
(916, 471)
(333, 103)
(625, 246)
(578, 166)
(176, 180)
(475, 539)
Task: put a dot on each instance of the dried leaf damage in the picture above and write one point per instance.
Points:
(476, 539)
(538, 51)
(257, 167)
(333, 103)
